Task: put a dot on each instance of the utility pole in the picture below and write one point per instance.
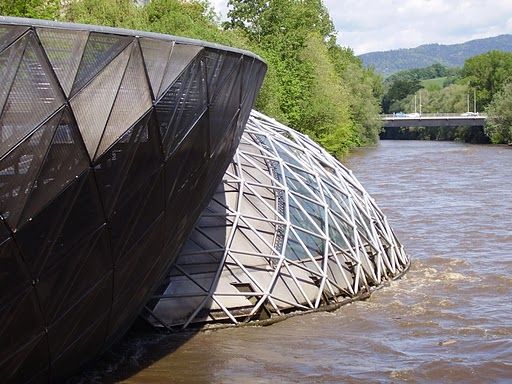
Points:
(414, 103)
(420, 101)
(474, 100)
(468, 103)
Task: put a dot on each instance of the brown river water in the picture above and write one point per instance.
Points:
(449, 320)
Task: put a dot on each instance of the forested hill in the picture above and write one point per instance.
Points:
(454, 55)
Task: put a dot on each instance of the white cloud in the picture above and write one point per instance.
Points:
(367, 26)
(378, 25)
(221, 7)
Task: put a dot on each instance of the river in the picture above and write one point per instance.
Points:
(448, 320)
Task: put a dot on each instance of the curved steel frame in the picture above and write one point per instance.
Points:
(111, 143)
(289, 228)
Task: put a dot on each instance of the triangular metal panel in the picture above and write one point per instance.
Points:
(156, 56)
(66, 158)
(133, 101)
(19, 168)
(9, 33)
(60, 225)
(64, 49)
(220, 70)
(181, 56)
(101, 49)
(63, 285)
(10, 60)
(225, 104)
(22, 357)
(128, 163)
(34, 96)
(93, 104)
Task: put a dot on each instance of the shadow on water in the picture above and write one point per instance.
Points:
(141, 347)
(474, 135)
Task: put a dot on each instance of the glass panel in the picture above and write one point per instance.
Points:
(315, 211)
(315, 245)
(295, 185)
(64, 49)
(335, 235)
(93, 104)
(34, 96)
(133, 100)
(100, 50)
(299, 218)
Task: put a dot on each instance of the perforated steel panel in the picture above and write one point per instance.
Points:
(105, 164)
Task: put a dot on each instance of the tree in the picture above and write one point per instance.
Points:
(499, 123)
(487, 74)
(38, 9)
(398, 90)
(312, 84)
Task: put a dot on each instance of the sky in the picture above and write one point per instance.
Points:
(381, 25)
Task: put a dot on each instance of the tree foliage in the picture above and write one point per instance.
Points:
(488, 73)
(42, 9)
(313, 84)
(499, 124)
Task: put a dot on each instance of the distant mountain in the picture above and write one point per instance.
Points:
(454, 55)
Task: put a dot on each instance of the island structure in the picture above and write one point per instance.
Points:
(289, 230)
(112, 142)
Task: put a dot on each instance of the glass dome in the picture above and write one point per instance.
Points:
(289, 228)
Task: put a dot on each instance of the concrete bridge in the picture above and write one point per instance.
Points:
(434, 120)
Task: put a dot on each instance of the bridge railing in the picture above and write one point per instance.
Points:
(432, 115)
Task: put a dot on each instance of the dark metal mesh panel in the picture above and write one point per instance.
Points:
(65, 159)
(24, 349)
(100, 50)
(70, 217)
(250, 76)
(133, 216)
(126, 166)
(93, 104)
(220, 66)
(19, 169)
(225, 105)
(35, 95)
(187, 103)
(9, 62)
(156, 56)
(9, 33)
(70, 279)
(13, 275)
(185, 162)
(125, 112)
(86, 342)
(181, 56)
(135, 279)
(82, 329)
(64, 50)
